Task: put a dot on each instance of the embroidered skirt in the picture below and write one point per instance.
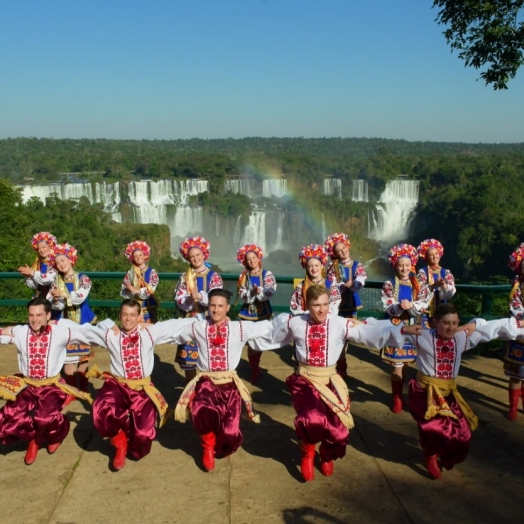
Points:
(514, 360)
(187, 356)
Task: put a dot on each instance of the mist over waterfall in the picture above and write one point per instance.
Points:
(277, 188)
(359, 191)
(333, 186)
(389, 222)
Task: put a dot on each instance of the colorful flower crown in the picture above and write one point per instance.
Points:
(333, 240)
(137, 245)
(313, 251)
(402, 250)
(429, 244)
(43, 236)
(244, 250)
(515, 259)
(191, 242)
(64, 249)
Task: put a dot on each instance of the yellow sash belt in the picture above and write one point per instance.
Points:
(143, 384)
(437, 389)
(11, 386)
(337, 402)
(183, 407)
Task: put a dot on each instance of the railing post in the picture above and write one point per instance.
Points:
(486, 307)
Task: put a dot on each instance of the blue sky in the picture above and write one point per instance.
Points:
(235, 68)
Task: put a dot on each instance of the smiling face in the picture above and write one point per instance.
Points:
(37, 317)
(130, 317)
(403, 267)
(447, 326)
(63, 264)
(341, 251)
(218, 309)
(314, 268)
(138, 257)
(43, 249)
(432, 257)
(252, 261)
(319, 308)
(196, 258)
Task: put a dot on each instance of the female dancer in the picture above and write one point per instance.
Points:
(191, 294)
(40, 275)
(313, 259)
(440, 280)
(255, 287)
(514, 359)
(69, 297)
(141, 281)
(405, 297)
(350, 276)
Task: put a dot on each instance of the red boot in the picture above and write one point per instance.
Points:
(51, 448)
(83, 381)
(208, 448)
(514, 395)
(396, 388)
(326, 468)
(120, 443)
(254, 364)
(342, 365)
(432, 466)
(306, 465)
(31, 453)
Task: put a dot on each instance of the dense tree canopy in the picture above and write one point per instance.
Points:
(489, 35)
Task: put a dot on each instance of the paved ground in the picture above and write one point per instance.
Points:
(381, 479)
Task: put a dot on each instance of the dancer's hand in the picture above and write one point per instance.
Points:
(415, 329)
(468, 328)
(26, 271)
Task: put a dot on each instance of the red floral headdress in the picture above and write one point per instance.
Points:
(428, 244)
(333, 240)
(313, 251)
(191, 242)
(402, 250)
(244, 250)
(64, 249)
(43, 236)
(137, 245)
(515, 259)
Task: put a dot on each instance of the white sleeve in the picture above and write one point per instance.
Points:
(503, 329)
(375, 336)
(88, 334)
(252, 330)
(174, 331)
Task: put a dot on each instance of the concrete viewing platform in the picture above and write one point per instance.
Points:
(382, 479)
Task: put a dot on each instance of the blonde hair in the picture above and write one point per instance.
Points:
(316, 291)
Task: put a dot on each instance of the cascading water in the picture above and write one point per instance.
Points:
(333, 186)
(244, 186)
(255, 231)
(359, 191)
(276, 188)
(397, 202)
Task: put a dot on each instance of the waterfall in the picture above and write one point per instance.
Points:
(393, 210)
(185, 221)
(359, 191)
(240, 185)
(255, 231)
(236, 233)
(279, 244)
(324, 231)
(277, 188)
(333, 186)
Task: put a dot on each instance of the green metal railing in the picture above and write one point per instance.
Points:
(483, 295)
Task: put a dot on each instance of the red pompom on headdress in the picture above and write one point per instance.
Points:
(137, 245)
(333, 240)
(64, 249)
(515, 259)
(43, 236)
(191, 242)
(402, 250)
(313, 251)
(430, 243)
(244, 250)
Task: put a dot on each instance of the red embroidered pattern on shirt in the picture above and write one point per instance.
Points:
(217, 338)
(445, 356)
(317, 344)
(38, 353)
(130, 351)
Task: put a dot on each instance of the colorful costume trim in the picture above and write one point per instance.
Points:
(333, 240)
(137, 245)
(244, 250)
(198, 242)
(313, 251)
(430, 243)
(44, 236)
(402, 250)
(64, 249)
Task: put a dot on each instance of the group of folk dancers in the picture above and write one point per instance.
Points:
(55, 346)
